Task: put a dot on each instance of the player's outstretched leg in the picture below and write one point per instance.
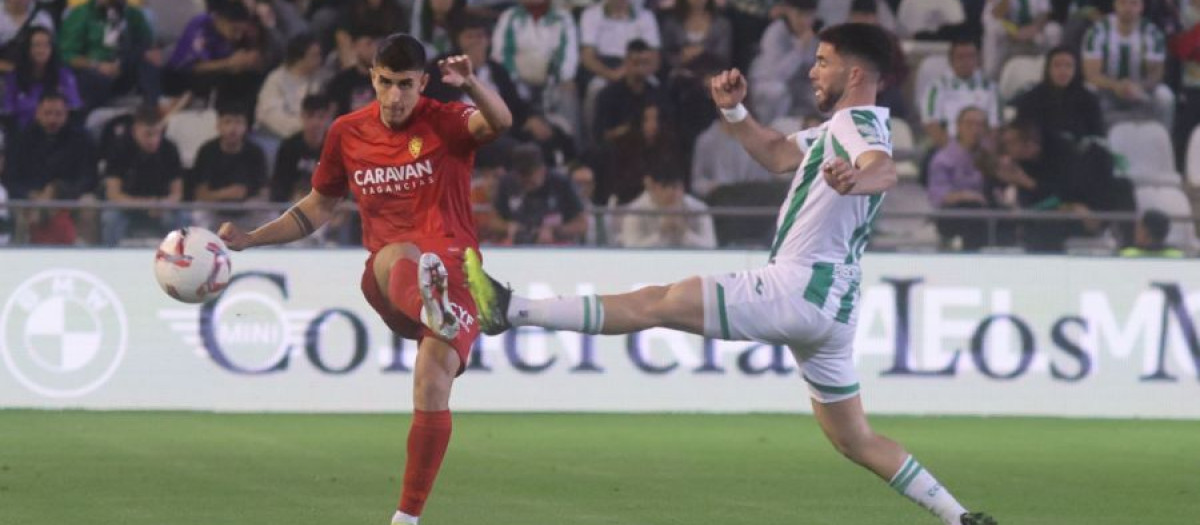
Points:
(679, 305)
(845, 424)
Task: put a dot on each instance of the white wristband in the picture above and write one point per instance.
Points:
(735, 115)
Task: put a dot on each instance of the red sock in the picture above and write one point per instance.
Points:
(427, 440)
(402, 287)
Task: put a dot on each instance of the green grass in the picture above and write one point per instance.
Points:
(195, 468)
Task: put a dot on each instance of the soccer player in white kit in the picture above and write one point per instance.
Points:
(806, 296)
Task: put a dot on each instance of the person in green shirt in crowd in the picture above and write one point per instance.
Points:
(110, 46)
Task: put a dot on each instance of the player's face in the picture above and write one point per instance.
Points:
(829, 77)
(398, 93)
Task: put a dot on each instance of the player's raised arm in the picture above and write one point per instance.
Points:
(494, 117)
(312, 212)
(769, 147)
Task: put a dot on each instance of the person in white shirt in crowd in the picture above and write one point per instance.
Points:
(280, 99)
(964, 86)
(605, 30)
(538, 44)
(681, 229)
(1123, 58)
(1013, 27)
(779, 75)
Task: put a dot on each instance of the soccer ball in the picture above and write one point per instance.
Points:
(192, 265)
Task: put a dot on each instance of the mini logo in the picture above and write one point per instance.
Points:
(414, 146)
(63, 333)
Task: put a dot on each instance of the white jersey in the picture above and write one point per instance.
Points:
(1125, 56)
(816, 224)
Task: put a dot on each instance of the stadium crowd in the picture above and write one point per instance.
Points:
(1080, 107)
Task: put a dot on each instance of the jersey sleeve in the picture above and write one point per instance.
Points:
(858, 131)
(451, 122)
(329, 178)
(805, 137)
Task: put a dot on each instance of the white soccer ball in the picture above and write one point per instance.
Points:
(192, 265)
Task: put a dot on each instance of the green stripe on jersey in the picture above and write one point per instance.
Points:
(817, 291)
(813, 167)
(847, 306)
(862, 234)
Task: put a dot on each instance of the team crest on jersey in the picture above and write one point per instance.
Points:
(414, 146)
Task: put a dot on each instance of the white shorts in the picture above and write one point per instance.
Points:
(809, 311)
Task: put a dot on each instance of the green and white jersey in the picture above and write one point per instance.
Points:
(947, 96)
(816, 224)
(1125, 56)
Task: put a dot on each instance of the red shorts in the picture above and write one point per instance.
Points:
(408, 324)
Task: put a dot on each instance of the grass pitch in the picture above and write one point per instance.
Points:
(132, 468)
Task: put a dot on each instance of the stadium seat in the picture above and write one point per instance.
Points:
(910, 232)
(1193, 158)
(189, 129)
(1146, 147)
(932, 68)
(915, 16)
(1019, 75)
(904, 149)
(1174, 203)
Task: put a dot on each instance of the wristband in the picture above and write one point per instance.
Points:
(735, 115)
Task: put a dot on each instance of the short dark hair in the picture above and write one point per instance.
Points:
(297, 47)
(233, 108)
(867, 42)
(1157, 224)
(147, 115)
(526, 159)
(636, 45)
(400, 52)
(314, 102)
(52, 95)
(960, 41)
(664, 173)
(231, 11)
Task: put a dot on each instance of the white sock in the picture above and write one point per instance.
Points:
(917, 484)
(577, 313)
(400, 518)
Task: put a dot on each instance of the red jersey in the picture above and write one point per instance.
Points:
(412, 183)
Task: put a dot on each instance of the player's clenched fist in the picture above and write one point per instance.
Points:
(839, 175)
(728, 88)
(456, 70)
(235, 239)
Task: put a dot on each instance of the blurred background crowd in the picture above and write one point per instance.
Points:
(1018, 125)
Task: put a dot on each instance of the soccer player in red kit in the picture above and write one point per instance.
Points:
(408, 160)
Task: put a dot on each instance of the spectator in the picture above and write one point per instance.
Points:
(110, 46)
(491, 166)
(144, 168)
(720, 160)
(471, 39)
(1150, 237)
(1123, 57)
(605, 31)
(433, 23)
(299, 153)
(265, 34)
(283, 92)
(54, 161)
(38, 71)
(1186, 47)
(832, 12)
(621, 165)
(584, 179)
(1077, 17)
(17, 17)
(538, 44)
(550, 134)
(957, 182)
(216, 53)
(351, 88)
(365, 16)
(685, 224)
(1060, 104)
(779, 84)
(1016, 27)
(621, 103)
(538, 206)
(966, 85)
(694, 27)
(229, 168)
